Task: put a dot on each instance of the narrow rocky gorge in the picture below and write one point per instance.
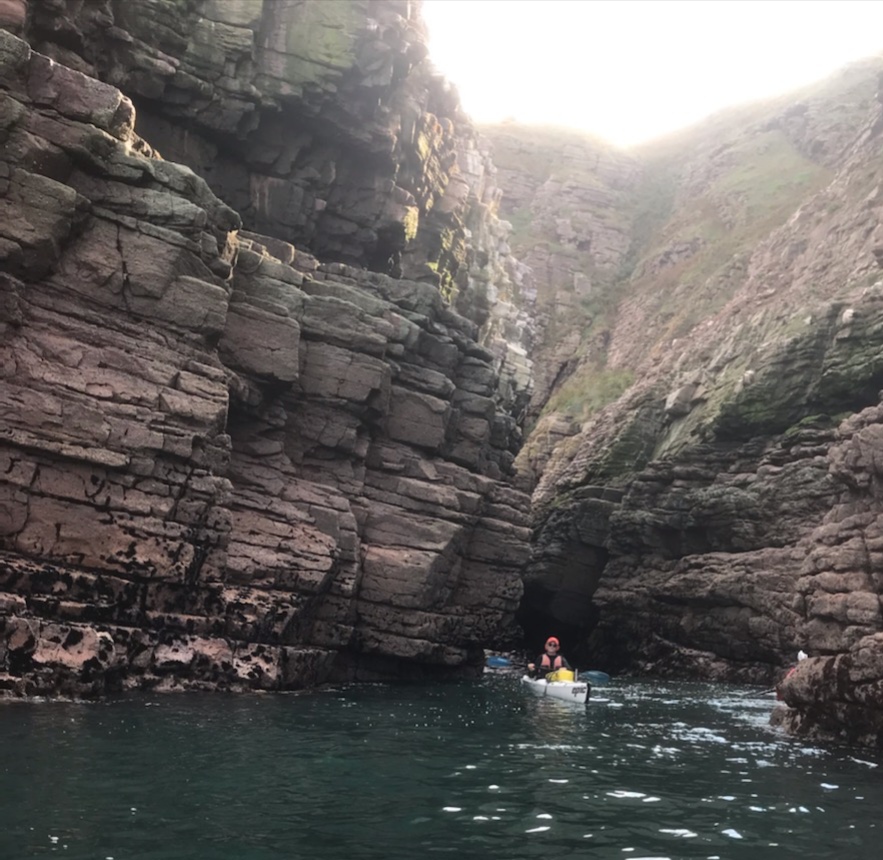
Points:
(719, 512)
(305, 377)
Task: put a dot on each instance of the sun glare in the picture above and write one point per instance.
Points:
(631, 70)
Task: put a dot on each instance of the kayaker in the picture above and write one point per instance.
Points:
(549, 660)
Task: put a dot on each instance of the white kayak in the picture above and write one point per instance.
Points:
(567, 691)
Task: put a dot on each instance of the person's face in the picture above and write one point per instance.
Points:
(551, 648)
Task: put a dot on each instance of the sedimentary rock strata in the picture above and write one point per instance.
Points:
(322, 124)
(568, 197)
(225, 463)
(722, 513)
(835, 697)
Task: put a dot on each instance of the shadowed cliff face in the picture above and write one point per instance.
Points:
(225, 462)
(564, 196)
(322, 124)
(722, 511)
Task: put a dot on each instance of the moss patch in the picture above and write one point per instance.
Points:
(591, 389)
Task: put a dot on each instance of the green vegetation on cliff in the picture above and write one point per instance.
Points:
(693, 261)
(323, 39)
(589, 390)
(648, 266)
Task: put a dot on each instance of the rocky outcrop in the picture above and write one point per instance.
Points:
(225, 462)
(567, 197)
(721, 514)
(835, 697)
(322, 124)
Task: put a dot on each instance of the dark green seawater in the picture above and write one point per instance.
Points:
(646, 770)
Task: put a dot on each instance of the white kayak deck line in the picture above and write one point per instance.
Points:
(566, 691)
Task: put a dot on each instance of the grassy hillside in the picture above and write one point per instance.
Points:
(692, 208)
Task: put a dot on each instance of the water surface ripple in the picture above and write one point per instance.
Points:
(477, 770)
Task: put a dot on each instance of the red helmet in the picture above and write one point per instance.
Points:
(552, 641)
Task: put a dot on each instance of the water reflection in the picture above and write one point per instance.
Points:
(479, 770)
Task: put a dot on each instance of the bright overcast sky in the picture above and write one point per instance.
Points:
(631, 70)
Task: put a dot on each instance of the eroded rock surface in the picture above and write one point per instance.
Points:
(225, 463)
(567, 197)
(322, 123)
(721, 514)
(836, 696)
(260, 399)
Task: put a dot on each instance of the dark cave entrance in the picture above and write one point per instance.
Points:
(557, 599)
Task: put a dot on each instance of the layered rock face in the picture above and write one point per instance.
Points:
(567, 197)
(226, 463)
(723, 512)
(322, 124)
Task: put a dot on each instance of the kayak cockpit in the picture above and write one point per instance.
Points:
(566, 691)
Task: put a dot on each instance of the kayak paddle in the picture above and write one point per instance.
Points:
(595, 677)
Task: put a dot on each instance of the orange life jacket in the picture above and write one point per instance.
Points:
(550, 664)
